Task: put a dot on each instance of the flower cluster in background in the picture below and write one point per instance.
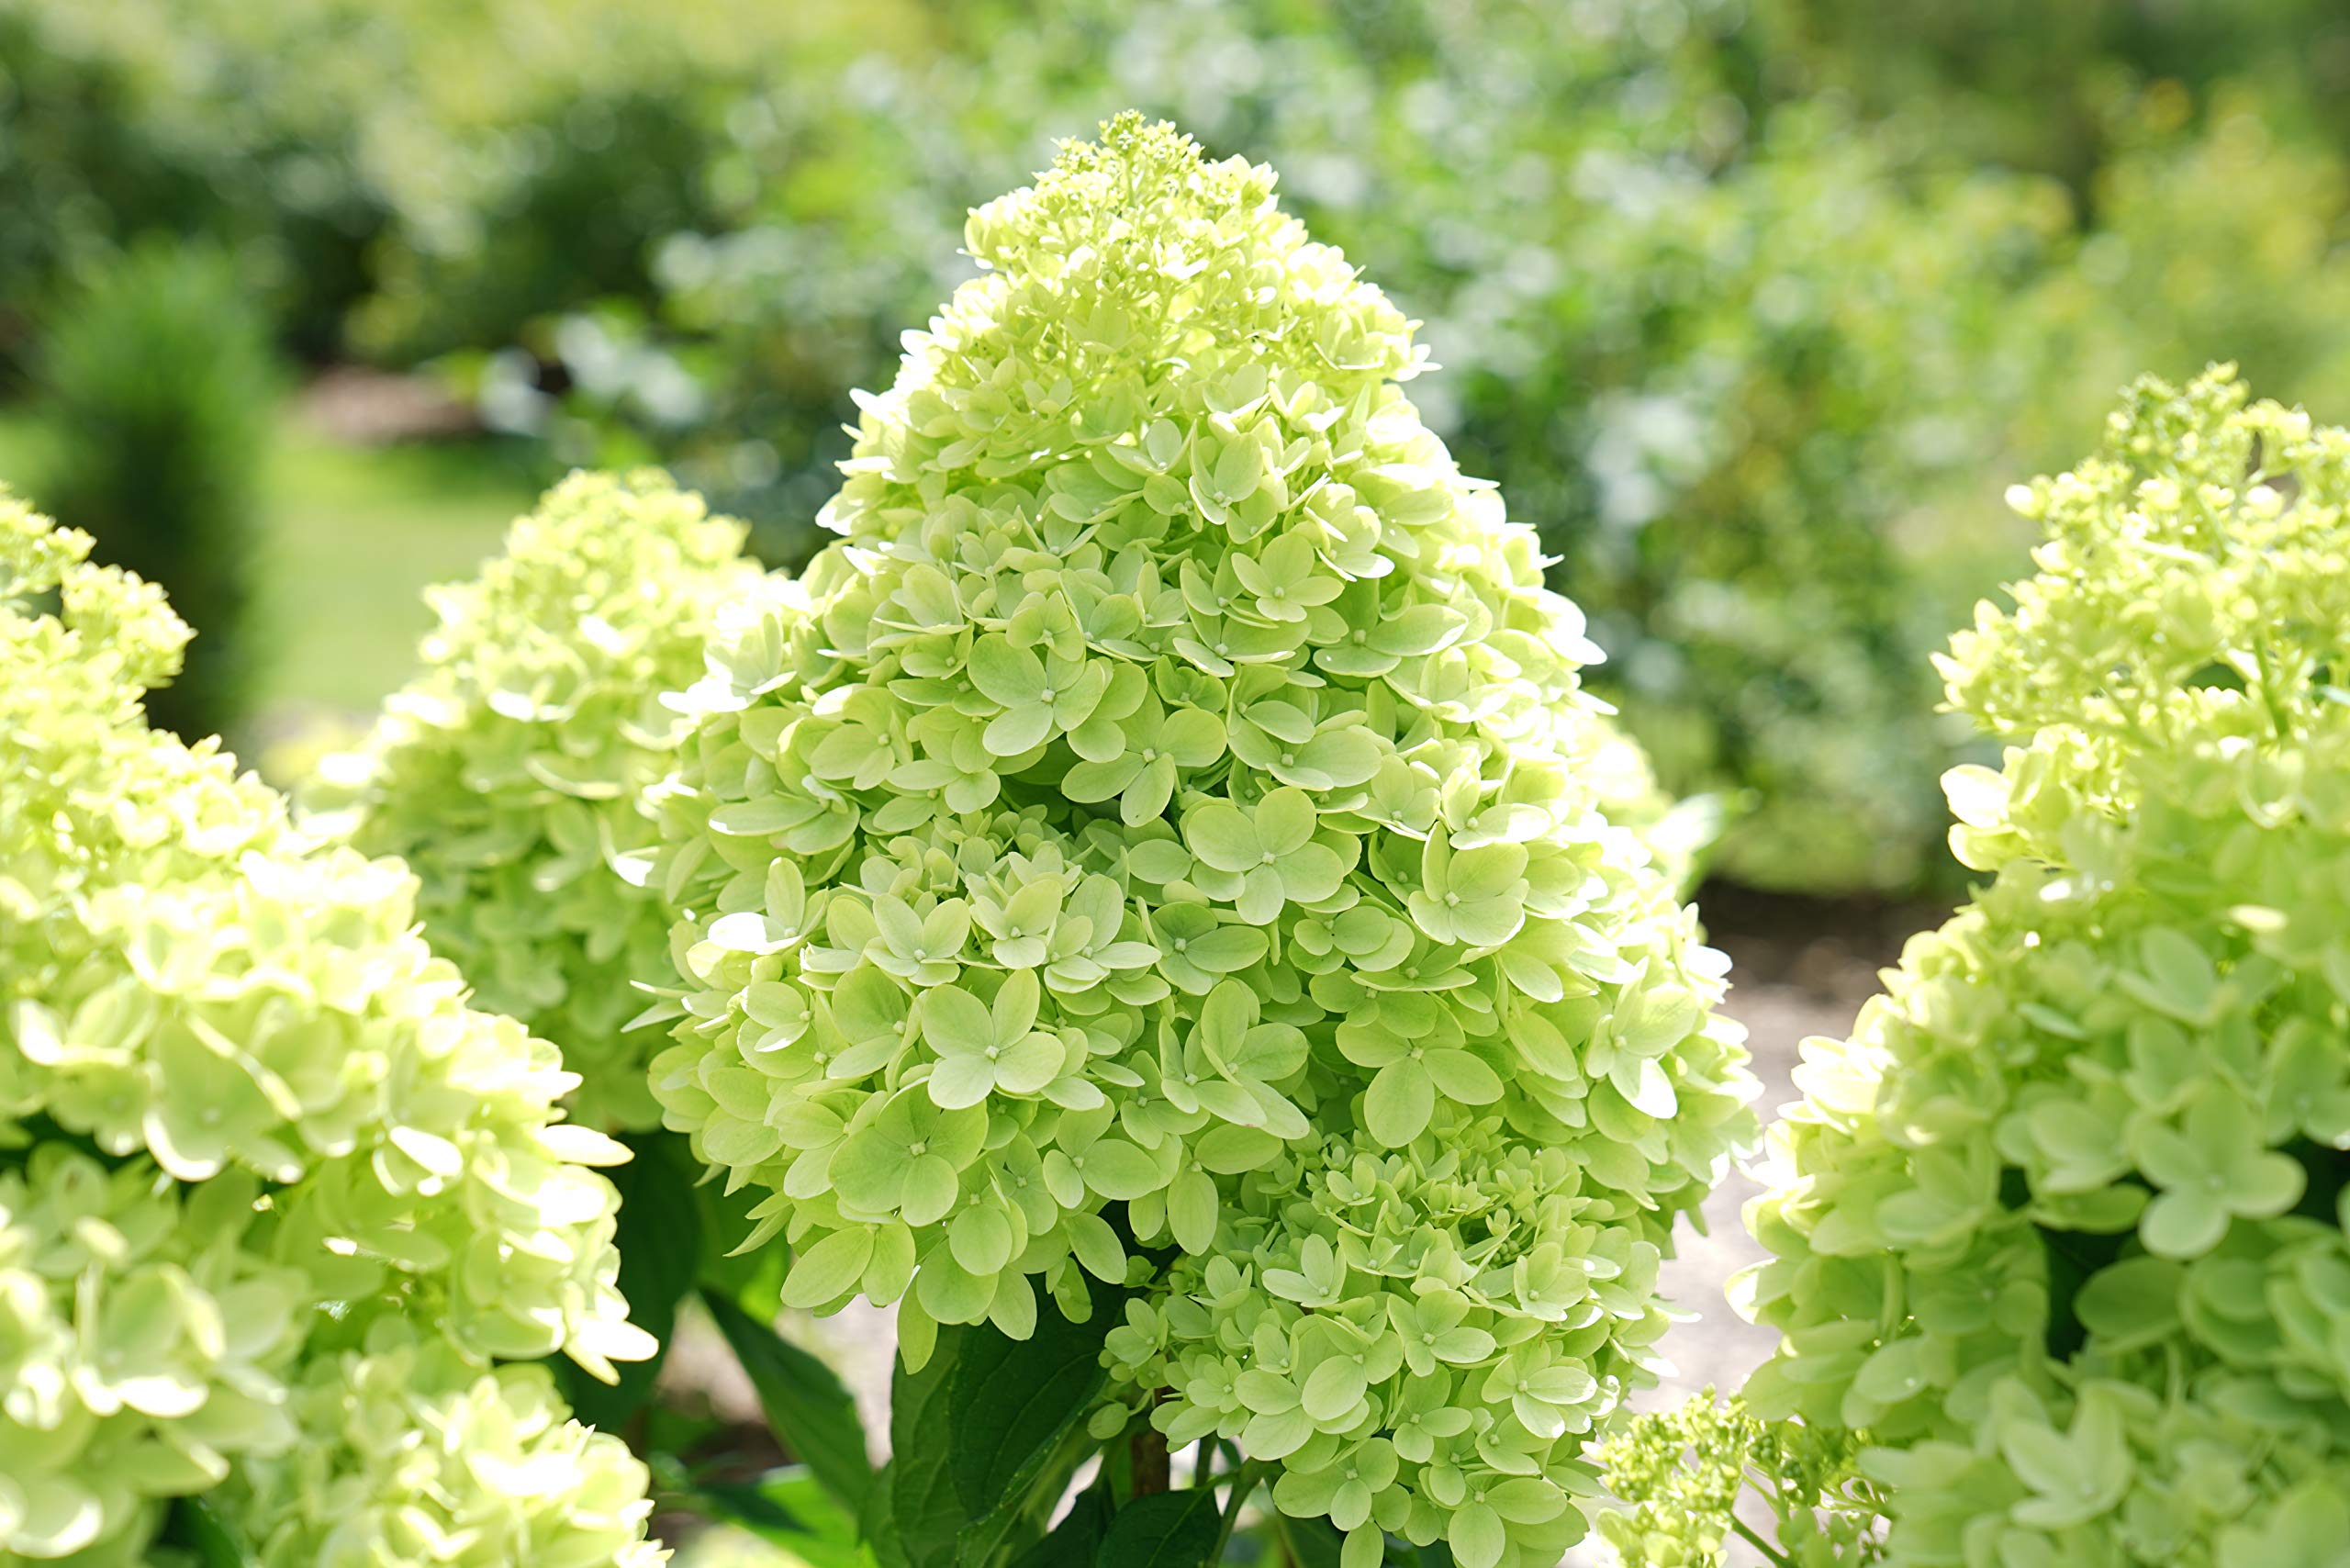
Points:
(1165, 825)
(251, 1137)
(1686, 1472)
(512, 774)
(414, 1453)
(2060, 1230)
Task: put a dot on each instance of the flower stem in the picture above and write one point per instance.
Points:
(1148, 1454)
(1746, 1532)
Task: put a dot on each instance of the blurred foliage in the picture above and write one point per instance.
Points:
(402, 175)
(2029, 84)
(113, 124)
(2221, 238)
(159, 390)
(1746, 303)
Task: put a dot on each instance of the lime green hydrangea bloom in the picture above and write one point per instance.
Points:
(415, 1451)
(247, 1120)
(144, 1340)
(2061, 1227)
(511, 774)
(1168, 820)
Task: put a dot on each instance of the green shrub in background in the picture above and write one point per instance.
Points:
(1744, 304)
(158, 393)
(849, 191)
(1746, 364)
(2220, 237)
(2060, 1231)
(511, 775)
(2031, 86)
(1777, 419)
(122, 117)
(1149, 876)
(398, 177)
(278, 1208)
(1747, 361)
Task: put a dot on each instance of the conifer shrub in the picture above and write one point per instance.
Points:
(157, 389)
(2060, 1230)
(1151, 865)
(275, 1203)
(512, 774)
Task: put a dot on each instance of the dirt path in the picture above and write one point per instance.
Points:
(1718, 1348)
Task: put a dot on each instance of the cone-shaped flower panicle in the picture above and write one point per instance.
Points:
(515, 774)
(2061, 1227)
(1166, 824)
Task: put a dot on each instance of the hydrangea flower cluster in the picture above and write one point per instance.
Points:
(1425, 1335)
(511, 774)
(415, 1451)
(1167, 824)
(248, 1125)
(2061, 1225)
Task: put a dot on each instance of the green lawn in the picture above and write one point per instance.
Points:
(353, 535)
